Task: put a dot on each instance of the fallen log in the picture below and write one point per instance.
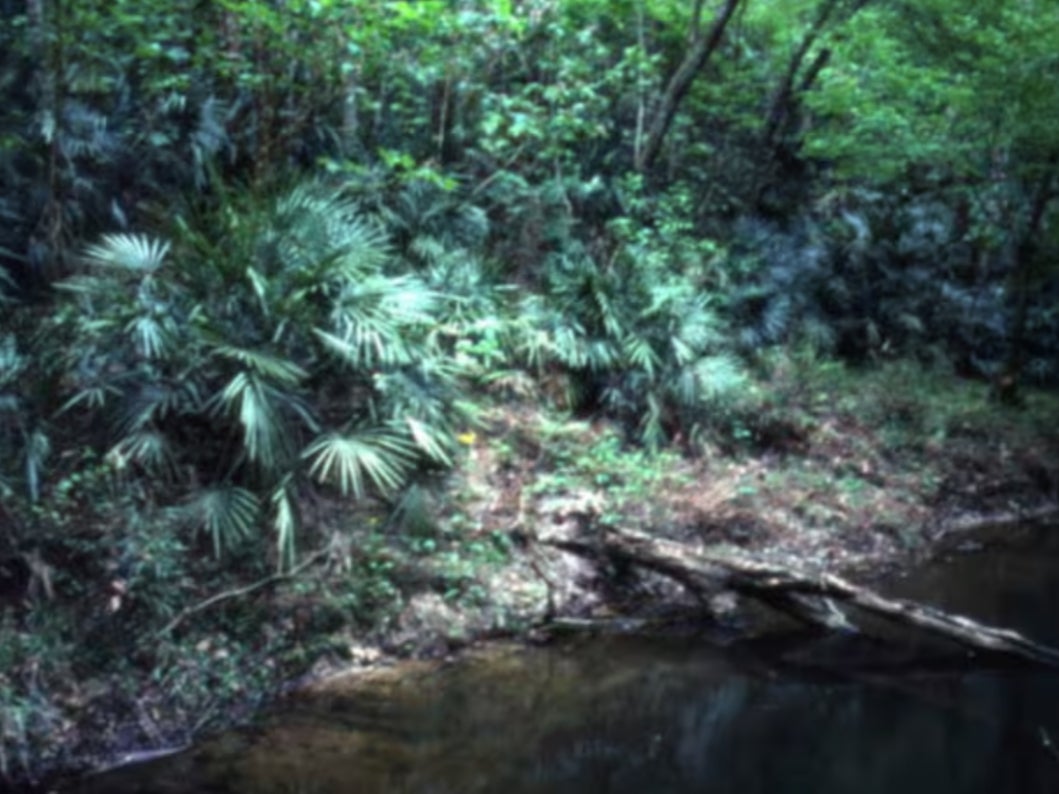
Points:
(999, 523)
(808, 596)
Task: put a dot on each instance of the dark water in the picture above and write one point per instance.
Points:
(665, 715)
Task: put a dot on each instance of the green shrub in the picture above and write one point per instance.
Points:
(266, 349)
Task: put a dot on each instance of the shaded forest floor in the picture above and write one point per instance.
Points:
(861, 473)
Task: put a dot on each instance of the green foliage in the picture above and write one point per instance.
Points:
(23, 441)
(635, 328)
(180, 395)
(623, 477)
(30, 726)
(277, 346)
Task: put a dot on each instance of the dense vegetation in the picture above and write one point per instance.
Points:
(264, 264)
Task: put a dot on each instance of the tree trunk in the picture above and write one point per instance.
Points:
(1006, 385)
(783, 100)
(808, 597)
(702, 47)
(784, 109)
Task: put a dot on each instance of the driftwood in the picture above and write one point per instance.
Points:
(1000, 522)
(810, 597)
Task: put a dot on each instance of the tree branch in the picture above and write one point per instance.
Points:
(239, 591)
(701, 48)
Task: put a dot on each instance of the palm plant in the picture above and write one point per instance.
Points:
(637, 339)
(23, 444)
(246, 361)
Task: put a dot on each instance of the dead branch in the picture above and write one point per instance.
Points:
(807, 596)
(240, 591)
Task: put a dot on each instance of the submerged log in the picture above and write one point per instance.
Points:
(808, 596)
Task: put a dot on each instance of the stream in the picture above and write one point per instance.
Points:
(797, 713)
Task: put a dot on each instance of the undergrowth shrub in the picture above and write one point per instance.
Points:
(265, 348)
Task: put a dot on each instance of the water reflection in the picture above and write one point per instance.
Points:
(635, 715)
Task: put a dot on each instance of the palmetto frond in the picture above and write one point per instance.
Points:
(133, 252)
(35, 454)
(367, 344)
(150, 337)
(433, 221)
(264, 414)
(423, 391)
(718, 377)
(267, 365)
(92, 396)
(227, 513)
(316, 234)
(12, 363)
(149, 449)
(152, 400)
(285, 520)
(271, 296)
(19, 441)
(641, 354)
(372, 319)
(433, 442)
(353, 462)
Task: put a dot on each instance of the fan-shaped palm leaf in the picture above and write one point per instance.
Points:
(601, 354)
(133, 252)
(317, 234)
(227, 513)
(435, 443)
(423, 391)
(153, 400)
(150, 337)
(12, 363)
(372, 321)
(265, 364)
(148, 448)
(639, 352)
(91, 397)
(366, 345)
(37, 449)
(285, 519)
(353, 462)
(720, 376)
(267, 435)
(652, 432)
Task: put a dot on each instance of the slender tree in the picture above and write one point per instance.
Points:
(703, 42)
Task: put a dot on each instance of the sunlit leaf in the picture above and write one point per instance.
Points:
(285, 520)
(356, 462)
(430, 441)
(132, 252)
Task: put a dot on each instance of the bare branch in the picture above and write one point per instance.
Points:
(240, 591)
(701, 48)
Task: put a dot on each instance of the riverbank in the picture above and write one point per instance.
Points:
(840, 470)
(674, 711)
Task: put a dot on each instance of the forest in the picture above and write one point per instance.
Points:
(311, 307)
